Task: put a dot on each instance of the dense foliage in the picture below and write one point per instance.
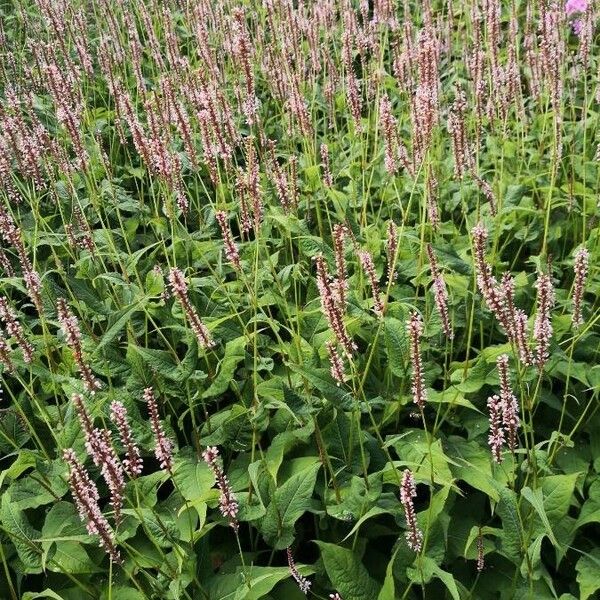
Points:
(299, 297)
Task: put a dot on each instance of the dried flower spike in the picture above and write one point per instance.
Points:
(480, 555)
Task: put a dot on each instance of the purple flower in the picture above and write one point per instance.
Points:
(303, 583)
(133, 463)
(163, 449)
(496, 436)
(85, 494)
(414, 327)
(575, 6)
(228, 504)
(408, 490)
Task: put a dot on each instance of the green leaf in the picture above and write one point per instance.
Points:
(290, 501)
(588, 574)
(48, 593)
(234, 354)
(558, 493)
(347, 573)
(474, 466)
(119, 324)
(29, 493)
(123, 593)
(396, 345)
(536, 499)
(429, 569)
(322, 381)
(64, 528)
(388, 591)
(511, 525)
(193, 478)
(22, 535)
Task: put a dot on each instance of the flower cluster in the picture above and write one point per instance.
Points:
(500, 297)
(414, 327)
(332, 308)
(70, 327)
(496, 436)
(231, 251)
(228, 504)
(12, 235)
(180, 290)
(163, 447)
(15, 329)
(391, 250)
(5, 358)
(440, 294)
(133, 462)
(509, 404)
(98, 444)
(408, 491)
(336, 362)
(325, 165)
(366, 261)
(85, 494)
(542, 327)
(303, 583)
(340, 284)
(582, 258)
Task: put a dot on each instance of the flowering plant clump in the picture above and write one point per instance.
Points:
(299, 299)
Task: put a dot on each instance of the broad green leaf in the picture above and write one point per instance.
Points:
(290, 501)
(62, 525)
(347, 573)
(234, 353)
(322, 381)
(388, 591)
(396, 345)
(120, 323)
(124, 593)
(428, 569)
(193, 478)
(511, 536)
(536, 499)
(473, 466)
(22, 535)
(48, 593)
(558, 493)
(588, 574)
